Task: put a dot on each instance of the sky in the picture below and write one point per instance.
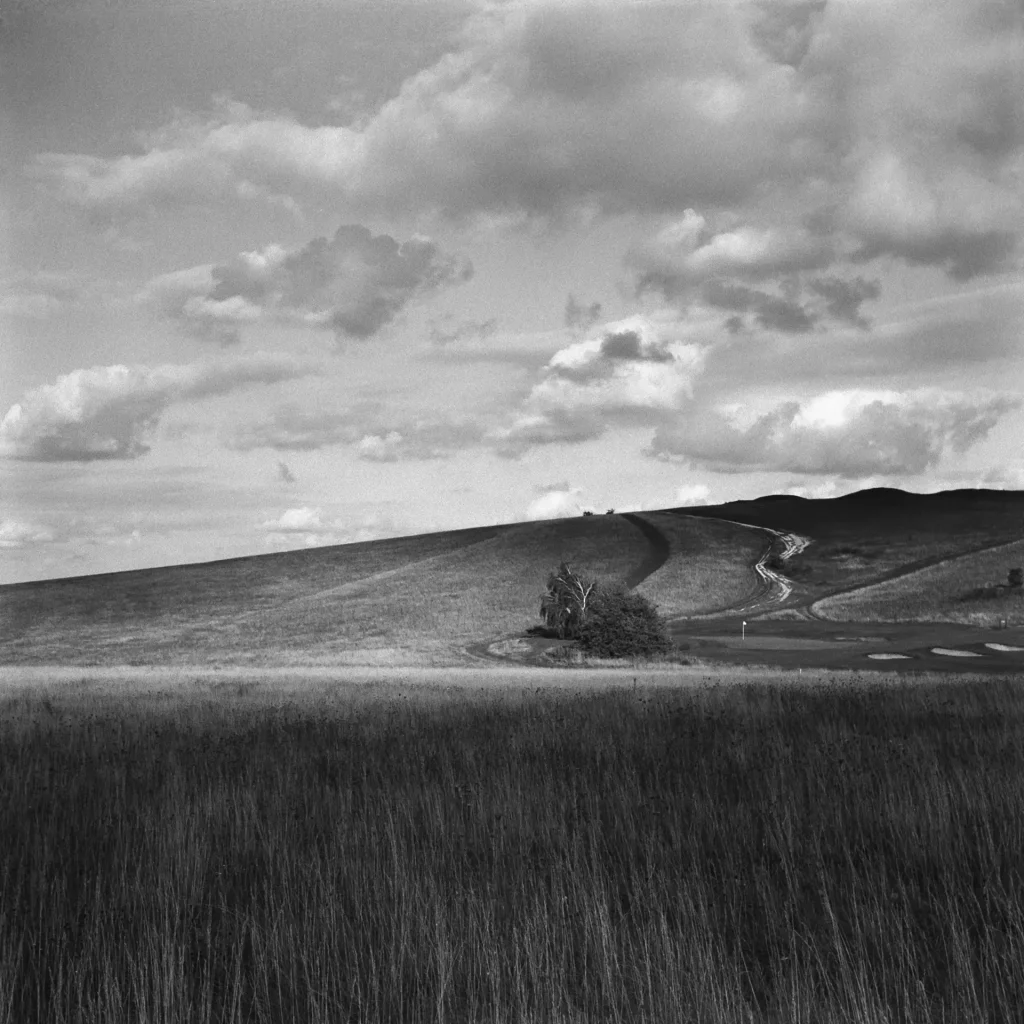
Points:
(286, 273)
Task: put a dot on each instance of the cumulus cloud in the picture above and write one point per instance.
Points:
(541, 106)
(907, 117)
(772, 273)
(627, 375)
(303, 525)
(353, 284)
(310, 527)
(556, 502)
(692, 494)
(232, 154)
(854, 433)
(110, 412)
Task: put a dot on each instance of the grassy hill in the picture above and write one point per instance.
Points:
(968, 589)
(426, 599)
(415, 599)
(871, 535)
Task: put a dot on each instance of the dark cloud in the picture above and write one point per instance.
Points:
(475, 330)
(580, 317)
(844, 298)
(355, 284)
(773, 312)
(784, 28)
(284, 474)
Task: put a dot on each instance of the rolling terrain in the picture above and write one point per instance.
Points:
(798, 571)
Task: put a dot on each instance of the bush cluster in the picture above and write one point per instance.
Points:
(623, 624)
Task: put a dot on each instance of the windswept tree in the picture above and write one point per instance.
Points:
(565, 605)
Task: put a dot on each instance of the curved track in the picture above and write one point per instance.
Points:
(773, 587)
(656, 557)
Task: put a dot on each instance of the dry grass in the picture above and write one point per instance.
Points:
(947, 592)
(236, 851)
(862, 538)
(420, 600)
(709, 567)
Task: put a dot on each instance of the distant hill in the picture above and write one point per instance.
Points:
(430, 598)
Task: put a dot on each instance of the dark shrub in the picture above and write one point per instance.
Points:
(1015, 578)
(622, 624)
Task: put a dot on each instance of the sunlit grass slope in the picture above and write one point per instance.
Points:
(408, 600)
(872, 534)
(709, 565)
(956, 590)
(785, 855)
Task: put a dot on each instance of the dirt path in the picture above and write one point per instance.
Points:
(658, 554)
(773, 587)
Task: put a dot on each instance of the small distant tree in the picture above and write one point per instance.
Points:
(588, 512)
(1015, 578)
(566, 603)
(623, 624)
(610, 512)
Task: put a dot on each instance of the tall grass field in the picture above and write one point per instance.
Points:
(723, 853)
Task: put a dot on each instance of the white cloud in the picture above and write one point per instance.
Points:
(692, 494)
(689, 261)
(851, 434)
(627, 375)
(109, 412)
(310, 527)
(541, 107)
(901, 122)
(354, 284)
(556, 503)
(297, 520)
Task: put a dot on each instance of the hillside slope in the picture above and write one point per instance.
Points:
(407, 600)
(872, 535)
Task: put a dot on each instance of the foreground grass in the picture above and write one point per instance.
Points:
(754, 852)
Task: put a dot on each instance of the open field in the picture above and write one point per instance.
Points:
(456, 598)
(229, 847)
(947, 592)
(417, 600)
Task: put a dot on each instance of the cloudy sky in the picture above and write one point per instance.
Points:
(280, 273)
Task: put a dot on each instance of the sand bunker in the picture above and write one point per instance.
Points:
(1004, 647)
(952, 652)
(888, 656)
